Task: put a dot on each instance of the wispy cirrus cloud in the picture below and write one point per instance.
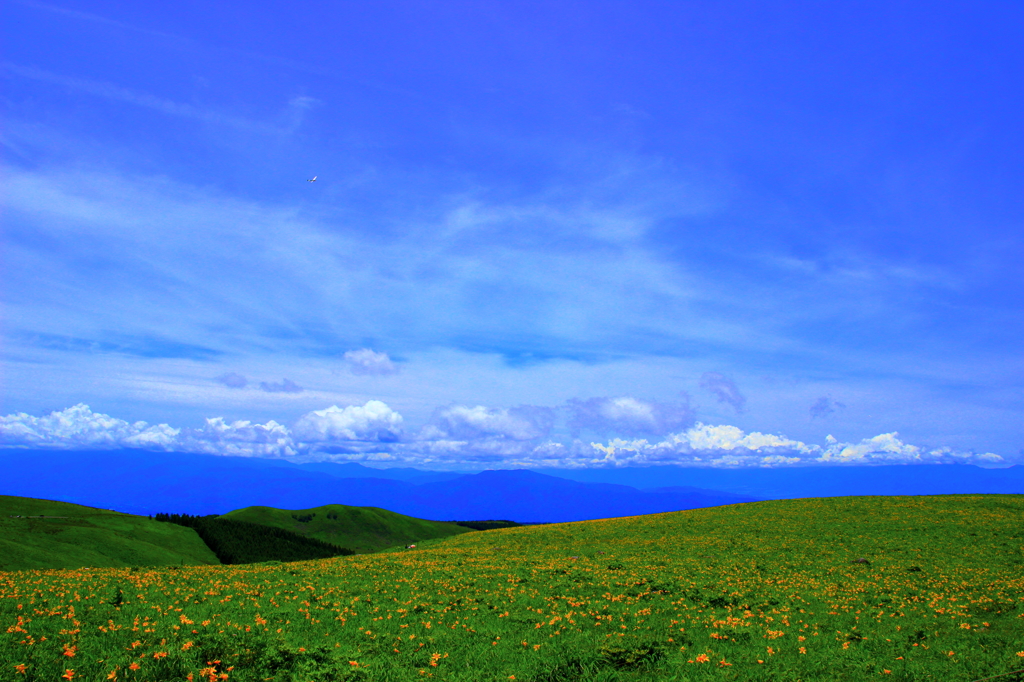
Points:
(138, 98)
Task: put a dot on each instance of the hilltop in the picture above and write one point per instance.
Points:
(46, 534)
(363, 529)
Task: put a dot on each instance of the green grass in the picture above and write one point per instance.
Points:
(90, 537)
(363, 529)
(761, 592)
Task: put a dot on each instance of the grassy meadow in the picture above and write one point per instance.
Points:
(899, 588)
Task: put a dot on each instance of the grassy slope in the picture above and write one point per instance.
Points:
(90, 537)
(363, 529)
(761, 592)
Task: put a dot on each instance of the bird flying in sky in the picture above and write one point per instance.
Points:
(312, 179)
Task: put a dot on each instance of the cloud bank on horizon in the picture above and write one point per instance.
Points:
(461, 437)
(614, 233)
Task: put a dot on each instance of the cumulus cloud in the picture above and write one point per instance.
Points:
(824, 406)
(460, 422)
(729, 446)
(480, 435)
(80, 427)
(627, 415)
(724, 389)
(285, 386)
(372, 421)
(238, 438)
(462, 436)
(368, 362)
(232, 380)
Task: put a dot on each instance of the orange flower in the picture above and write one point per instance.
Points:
(112, 675)
(21, 668)
(69, 651)
(160, 654)
(703, 658)
(68, 674)
(134, 666)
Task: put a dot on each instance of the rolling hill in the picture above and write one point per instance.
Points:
(46, 534)
(40, 534)
(364, 529)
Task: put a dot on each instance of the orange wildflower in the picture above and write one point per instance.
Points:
(68, 674)
(21, 668)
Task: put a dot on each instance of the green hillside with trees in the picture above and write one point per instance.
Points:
(242, 542)
(39, 534)
(363, 529)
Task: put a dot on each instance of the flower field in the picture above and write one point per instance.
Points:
(900, 588)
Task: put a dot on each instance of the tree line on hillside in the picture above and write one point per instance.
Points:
(241, 542)
(488, 525)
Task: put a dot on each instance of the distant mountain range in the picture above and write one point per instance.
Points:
(819, 481)
(143, 482)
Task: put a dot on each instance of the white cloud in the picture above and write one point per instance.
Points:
(368, 362)
(729, 446)
(474, 423)
(461, 436)
(627, 415)
(239, 438)
(79, 427)
(372, 421)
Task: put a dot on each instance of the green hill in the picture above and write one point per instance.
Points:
(241, 542)
(364, 529)
(36, 534)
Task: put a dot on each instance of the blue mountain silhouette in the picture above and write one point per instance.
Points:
(146, 482)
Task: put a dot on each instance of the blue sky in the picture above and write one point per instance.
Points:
(572, 234)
